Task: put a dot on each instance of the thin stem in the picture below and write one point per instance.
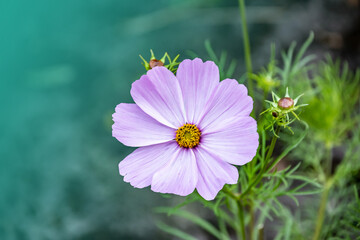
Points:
(263, 170)
(272, 145)
(241, 219)
(288, 149)
(223, 230)
(328, 160)
(325, 193)
(265, 94)
(252, 220)
(261, 232)
(230, 193)
(256, 181)
(247, 51)
(321, 211)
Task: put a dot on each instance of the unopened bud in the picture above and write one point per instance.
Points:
(286, 103)
(155, 63)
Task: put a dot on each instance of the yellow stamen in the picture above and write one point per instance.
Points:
(188, 136)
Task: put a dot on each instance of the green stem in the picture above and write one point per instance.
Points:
(289, 148)
(328, 160)
(230, 193)
(272, 145)
(247, 51)
(256, 181)
(241, 219)
(261, 232)
(325, 193)
(265, 168)
(252, 220)
(223, 230)
(265, 94)
(321, 211)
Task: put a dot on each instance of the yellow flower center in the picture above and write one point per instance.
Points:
(188, 136)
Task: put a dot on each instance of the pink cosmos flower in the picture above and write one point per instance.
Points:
(190, 129)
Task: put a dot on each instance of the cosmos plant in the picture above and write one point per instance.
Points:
(190, 128)
(204, 136)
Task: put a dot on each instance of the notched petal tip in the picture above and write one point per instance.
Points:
(141, 81)
(139, 167)
(197, 63)
(214, 173)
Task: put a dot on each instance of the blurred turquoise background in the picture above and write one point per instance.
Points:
(64, 66)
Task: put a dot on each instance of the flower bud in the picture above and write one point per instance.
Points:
(172, 65)
(155, 63)
(286, 103)
(282, 111)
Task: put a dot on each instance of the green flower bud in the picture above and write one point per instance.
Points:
(283, 110)
(172, 65)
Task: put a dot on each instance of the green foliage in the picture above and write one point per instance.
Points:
(289, 230)
(332, 93)
(221, 61)
(193, 218)
(292, 72)
(295, 66)
(226, 68)
(223, 217)
(350, 164)
(343, 221)
(332, 101)
(174, 231)
(267, 78)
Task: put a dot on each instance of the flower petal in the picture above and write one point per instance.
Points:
(134, 128)
(139, 167)
(197, 81)
(235, 142)
(230, 100)
(213, 174)
(179, 176)
(159, 95)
